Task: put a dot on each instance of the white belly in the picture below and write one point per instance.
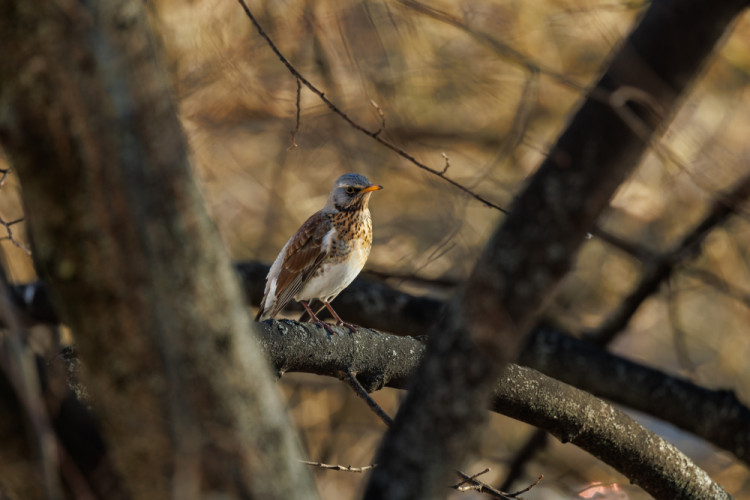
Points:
(333, 277)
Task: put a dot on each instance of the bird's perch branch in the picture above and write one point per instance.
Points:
(572, 415)
(709, 414)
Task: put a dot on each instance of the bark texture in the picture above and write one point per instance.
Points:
(135, 266)
(570, 414)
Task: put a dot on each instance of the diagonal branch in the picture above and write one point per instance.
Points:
(534, 247)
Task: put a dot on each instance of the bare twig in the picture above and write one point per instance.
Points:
(480, 487)
(538, 480)
(348, 377)
(346, 468)
(458, 486)
(7, 225)
(634, 250)
(447, 163)
(521, 117)
(382, 116)
(297, 121)
(374, 135)
(617, 100)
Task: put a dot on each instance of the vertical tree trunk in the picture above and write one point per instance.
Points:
(185, 397)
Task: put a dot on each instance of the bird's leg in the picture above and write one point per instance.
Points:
(314, 319)
(339, 321)
(305, 317)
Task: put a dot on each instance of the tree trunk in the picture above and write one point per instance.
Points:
(136, 267)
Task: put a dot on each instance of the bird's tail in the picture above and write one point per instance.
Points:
(261, 313)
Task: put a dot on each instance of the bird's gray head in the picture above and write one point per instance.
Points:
(350, 192)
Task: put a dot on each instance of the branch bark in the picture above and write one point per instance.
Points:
(382, 360)
(185, 396)
(714, 415)
(572, 415)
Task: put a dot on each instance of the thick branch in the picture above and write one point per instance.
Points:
(714, 415)
(572, 415)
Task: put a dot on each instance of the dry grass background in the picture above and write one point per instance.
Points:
(443, 89)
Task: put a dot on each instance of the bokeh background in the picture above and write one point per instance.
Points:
(489, 85)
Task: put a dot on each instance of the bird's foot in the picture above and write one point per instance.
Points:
(352, 328)
(327, 327)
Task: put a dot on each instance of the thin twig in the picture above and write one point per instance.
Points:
(10, 237)
(634, 250)
(519, 492)
(345, 468)
(481, 487)
(374, 135)
(457, 486)
(297, 121)
(348, 377)
(382, 117)
(447, 163)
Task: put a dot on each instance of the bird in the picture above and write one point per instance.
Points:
(325, 254)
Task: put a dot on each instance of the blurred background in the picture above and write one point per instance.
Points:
(489, 86)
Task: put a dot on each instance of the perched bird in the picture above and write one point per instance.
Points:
(325, 254)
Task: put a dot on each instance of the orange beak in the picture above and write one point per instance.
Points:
(372, 187)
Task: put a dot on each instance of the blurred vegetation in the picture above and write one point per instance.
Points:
(488, 84)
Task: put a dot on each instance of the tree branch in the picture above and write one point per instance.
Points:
(714, 415)
(572, 415)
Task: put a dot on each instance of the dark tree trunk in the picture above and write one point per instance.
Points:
(136, 268)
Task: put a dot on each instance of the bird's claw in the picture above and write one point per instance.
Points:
(352, 328)
(329, 331)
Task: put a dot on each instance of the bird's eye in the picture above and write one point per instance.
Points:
(350, 190)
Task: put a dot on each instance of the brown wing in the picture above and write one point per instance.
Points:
(303, 255)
